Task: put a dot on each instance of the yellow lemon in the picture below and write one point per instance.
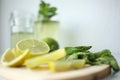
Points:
(53, 56)
(9, 59)
(58, 66)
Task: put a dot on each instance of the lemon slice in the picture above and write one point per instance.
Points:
(53, 56)
(36, 47)
(9, 59)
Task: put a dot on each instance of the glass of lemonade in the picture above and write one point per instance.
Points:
(46, 29)
(21, 27)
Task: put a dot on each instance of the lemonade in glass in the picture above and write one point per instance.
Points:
(21, 27)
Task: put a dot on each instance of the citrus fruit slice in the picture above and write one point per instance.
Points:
(15, 52)
(59, 66)
(52, 43)
(38, 60)
(36, 47)
(9, 59)
(77, 64)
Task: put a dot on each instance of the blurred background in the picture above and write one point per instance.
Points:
(82, 22)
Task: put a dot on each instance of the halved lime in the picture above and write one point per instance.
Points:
(52, 43)
(36, 47)
(9, 59)
(53, 56)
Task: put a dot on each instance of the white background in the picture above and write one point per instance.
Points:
(83, 22)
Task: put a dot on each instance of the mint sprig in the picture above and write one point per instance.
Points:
(46, 12)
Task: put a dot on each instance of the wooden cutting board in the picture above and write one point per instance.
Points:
(88, 73)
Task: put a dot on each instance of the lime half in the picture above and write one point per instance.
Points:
(36, 47)
(9, 59)
(52, 43)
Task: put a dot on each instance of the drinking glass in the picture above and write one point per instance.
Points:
(21, 27)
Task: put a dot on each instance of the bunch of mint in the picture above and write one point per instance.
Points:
(46, 12)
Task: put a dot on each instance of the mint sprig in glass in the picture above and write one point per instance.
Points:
(44, 25)
(46, 11)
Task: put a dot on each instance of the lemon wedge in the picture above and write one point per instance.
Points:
(58, 66)
(9, 58)
(77, 64)
(38, 60)
(15, 52)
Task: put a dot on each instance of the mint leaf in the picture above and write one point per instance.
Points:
(46, 12)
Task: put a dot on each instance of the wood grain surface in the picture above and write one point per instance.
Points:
(89, 73)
